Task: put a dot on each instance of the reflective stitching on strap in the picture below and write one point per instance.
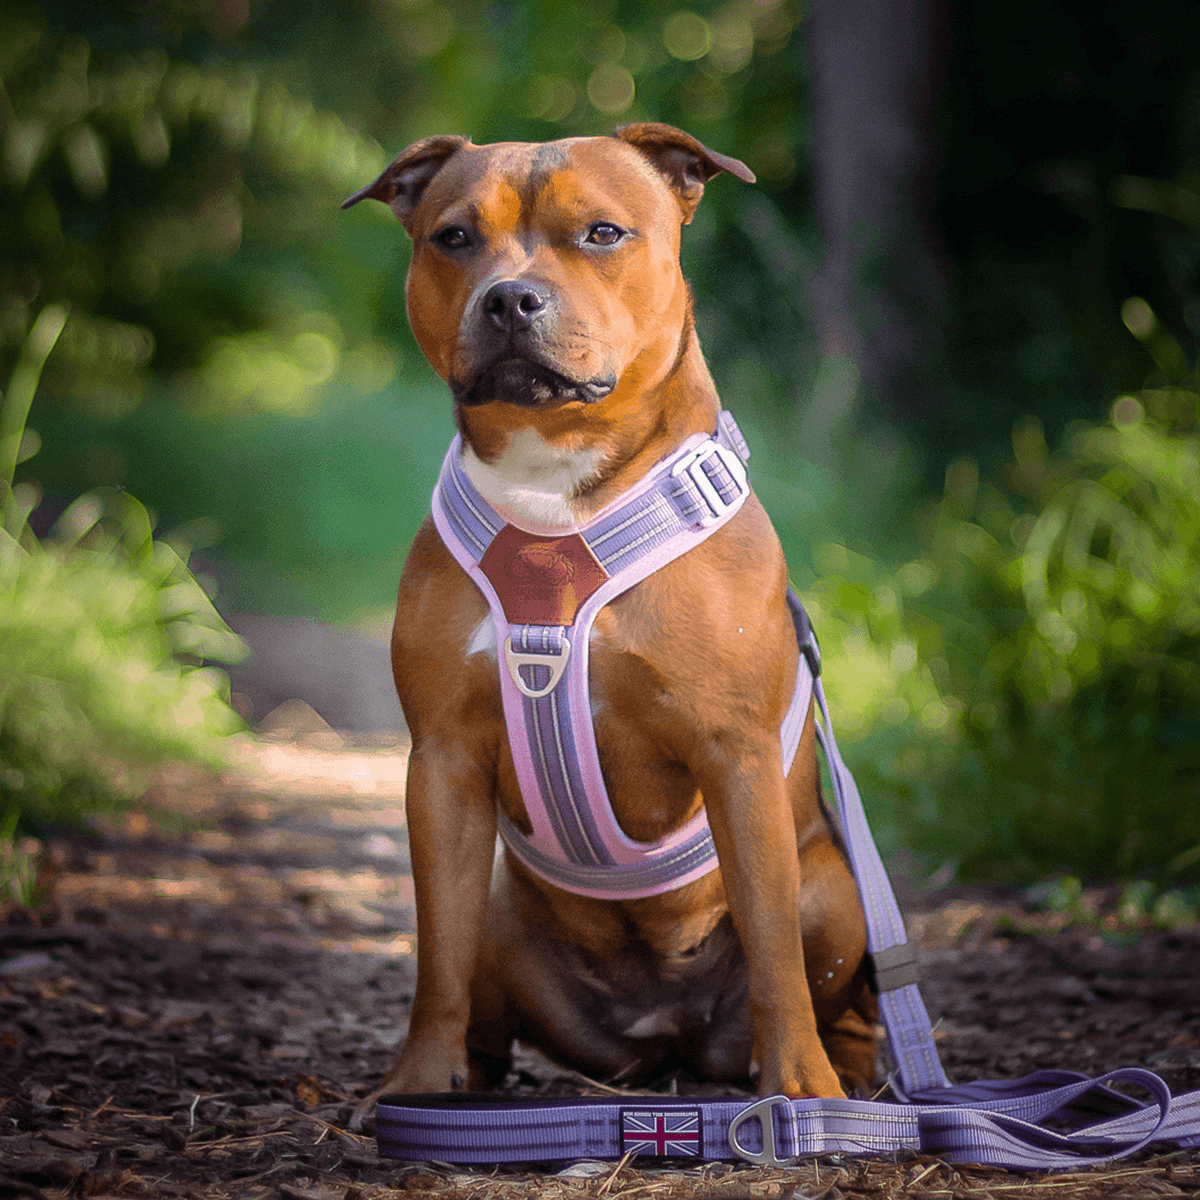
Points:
(578, 809)
(691, 856)
(629, 547)
(461, 484)
(638, 514)
(686, 488)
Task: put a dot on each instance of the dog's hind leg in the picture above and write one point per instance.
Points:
(490, 1033)
(850, 1043)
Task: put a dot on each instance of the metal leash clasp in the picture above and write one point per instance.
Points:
(764, 1111)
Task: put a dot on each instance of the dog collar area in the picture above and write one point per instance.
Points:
(543, 581)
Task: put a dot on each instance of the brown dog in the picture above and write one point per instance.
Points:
(545, 288)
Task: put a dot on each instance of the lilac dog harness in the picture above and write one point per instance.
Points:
(1050, 1120)
(544, 592)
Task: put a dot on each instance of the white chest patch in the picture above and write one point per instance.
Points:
(483, 640)
(533, 481)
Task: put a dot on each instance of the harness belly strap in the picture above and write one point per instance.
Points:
(544, 592)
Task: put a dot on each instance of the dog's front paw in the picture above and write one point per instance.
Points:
(416, 1071)
(810, 1079)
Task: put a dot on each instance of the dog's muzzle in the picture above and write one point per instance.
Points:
(510, 327)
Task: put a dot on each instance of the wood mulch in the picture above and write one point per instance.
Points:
(192, 1008)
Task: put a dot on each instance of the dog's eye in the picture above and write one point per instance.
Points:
(604, 233)
(453, 237)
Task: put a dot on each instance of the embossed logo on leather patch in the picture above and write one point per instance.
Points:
(540, 564)
(541, 580)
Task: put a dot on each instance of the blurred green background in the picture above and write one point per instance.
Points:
(957, 319)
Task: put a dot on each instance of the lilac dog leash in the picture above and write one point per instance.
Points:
(991, 1122)
(776, 1131)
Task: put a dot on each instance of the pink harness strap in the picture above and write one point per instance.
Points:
(544, 594)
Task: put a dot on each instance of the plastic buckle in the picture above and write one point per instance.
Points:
(692, 466)
(764, 1111)
(556, 663)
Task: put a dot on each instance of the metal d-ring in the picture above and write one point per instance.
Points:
(555, 663)
(764, 1111)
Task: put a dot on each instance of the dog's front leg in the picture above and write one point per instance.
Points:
(452, 836)
(754, 831)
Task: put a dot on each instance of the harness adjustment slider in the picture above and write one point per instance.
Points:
(892, 968)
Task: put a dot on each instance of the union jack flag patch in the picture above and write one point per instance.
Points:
(662, 1132)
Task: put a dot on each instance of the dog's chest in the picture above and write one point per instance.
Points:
(671, 989)
(532, 481)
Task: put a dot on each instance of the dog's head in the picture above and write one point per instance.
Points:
(546, 274)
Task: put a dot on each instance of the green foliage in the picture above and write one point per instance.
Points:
(1142, 901)
(1116, 914)
(133, 176)
(96, 637)
(1110, 566)
(19, 864)
(102, 634)
(1020, 693)
(1065, 640)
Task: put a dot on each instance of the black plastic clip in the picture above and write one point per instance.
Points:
(806, 635)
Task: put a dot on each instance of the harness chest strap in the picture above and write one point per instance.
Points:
(544, 593)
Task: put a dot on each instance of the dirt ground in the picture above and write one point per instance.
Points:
(191, 1009)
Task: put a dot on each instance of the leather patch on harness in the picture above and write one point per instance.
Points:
(541, 580)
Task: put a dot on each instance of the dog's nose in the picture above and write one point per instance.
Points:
(514, 304)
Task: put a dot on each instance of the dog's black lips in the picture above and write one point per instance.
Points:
(529, 383)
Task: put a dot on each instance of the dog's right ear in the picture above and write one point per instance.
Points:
(402, 184)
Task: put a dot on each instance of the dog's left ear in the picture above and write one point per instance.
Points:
(685, 163)
(407, 176)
